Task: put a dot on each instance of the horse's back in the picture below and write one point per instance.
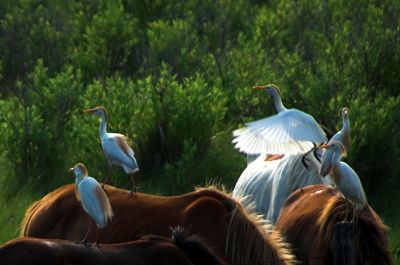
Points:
(61, 252)
(59, 215)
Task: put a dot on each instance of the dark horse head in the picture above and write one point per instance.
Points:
(312, 221)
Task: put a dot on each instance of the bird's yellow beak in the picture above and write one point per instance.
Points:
(71, 170)
(89, 110)
(272, 157)
(259, 87)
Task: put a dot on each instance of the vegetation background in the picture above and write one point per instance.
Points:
(176, 77)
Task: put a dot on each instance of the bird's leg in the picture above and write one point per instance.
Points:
(304, 158)
(133, 180)
(96, 243)
(107, 177)
(84, 240)
(316, 155)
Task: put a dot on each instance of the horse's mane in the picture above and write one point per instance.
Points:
(27, 217)
(214, 186)
(249, 230)
(372, 231)
(35, 206)
(194, 247)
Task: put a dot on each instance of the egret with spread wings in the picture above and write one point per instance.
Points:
(291, 131)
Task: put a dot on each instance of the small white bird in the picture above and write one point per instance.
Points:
(291, 131)
(342, 136)
(116, 148)
(92, 197)
(345, 178)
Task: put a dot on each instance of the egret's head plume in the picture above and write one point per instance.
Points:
(273, 87)
(336, 146)
(79, 170)
(99, 110)
(269, 88)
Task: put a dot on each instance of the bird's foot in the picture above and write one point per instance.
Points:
(131, 192)
(305, 160)
(83, 242)
(317, 155)
(95, 244)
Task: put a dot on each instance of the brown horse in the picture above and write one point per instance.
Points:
(308, 221)
(180, 249)
(231, 232)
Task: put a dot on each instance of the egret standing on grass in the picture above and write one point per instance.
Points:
(116, 148)
(343, 136)
(345, 178)
(92, 197)
(290, 131)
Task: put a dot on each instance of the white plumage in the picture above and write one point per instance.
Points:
(267, 184)
(255, 184)
(118, 152)
(92, 197)
(345, 178)
(116, 148)
(342, 136)
(290, 131)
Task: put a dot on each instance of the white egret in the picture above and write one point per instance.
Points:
(342, 136)
(344, 177)
(92, 197)
(116, 148)
(291, 131)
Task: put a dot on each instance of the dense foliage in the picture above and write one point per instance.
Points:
(176, 77)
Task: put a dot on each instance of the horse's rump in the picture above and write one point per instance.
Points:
(308, 221)
(206, 212)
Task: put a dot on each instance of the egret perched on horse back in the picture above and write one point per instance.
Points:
(92, 197)
(290, 131)
(344, 177)
(343, 136)
(116, 148)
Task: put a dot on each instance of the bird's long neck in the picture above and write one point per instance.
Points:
(103, 125)
(336, 165)
(346, 125)
(79, 178)
(345, 132)
(277, 100)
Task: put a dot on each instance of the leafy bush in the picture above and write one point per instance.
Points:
(176, 78)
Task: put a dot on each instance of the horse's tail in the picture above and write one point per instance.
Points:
(27, 217)
(250, 240)
(194, 247)
(373, 247)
